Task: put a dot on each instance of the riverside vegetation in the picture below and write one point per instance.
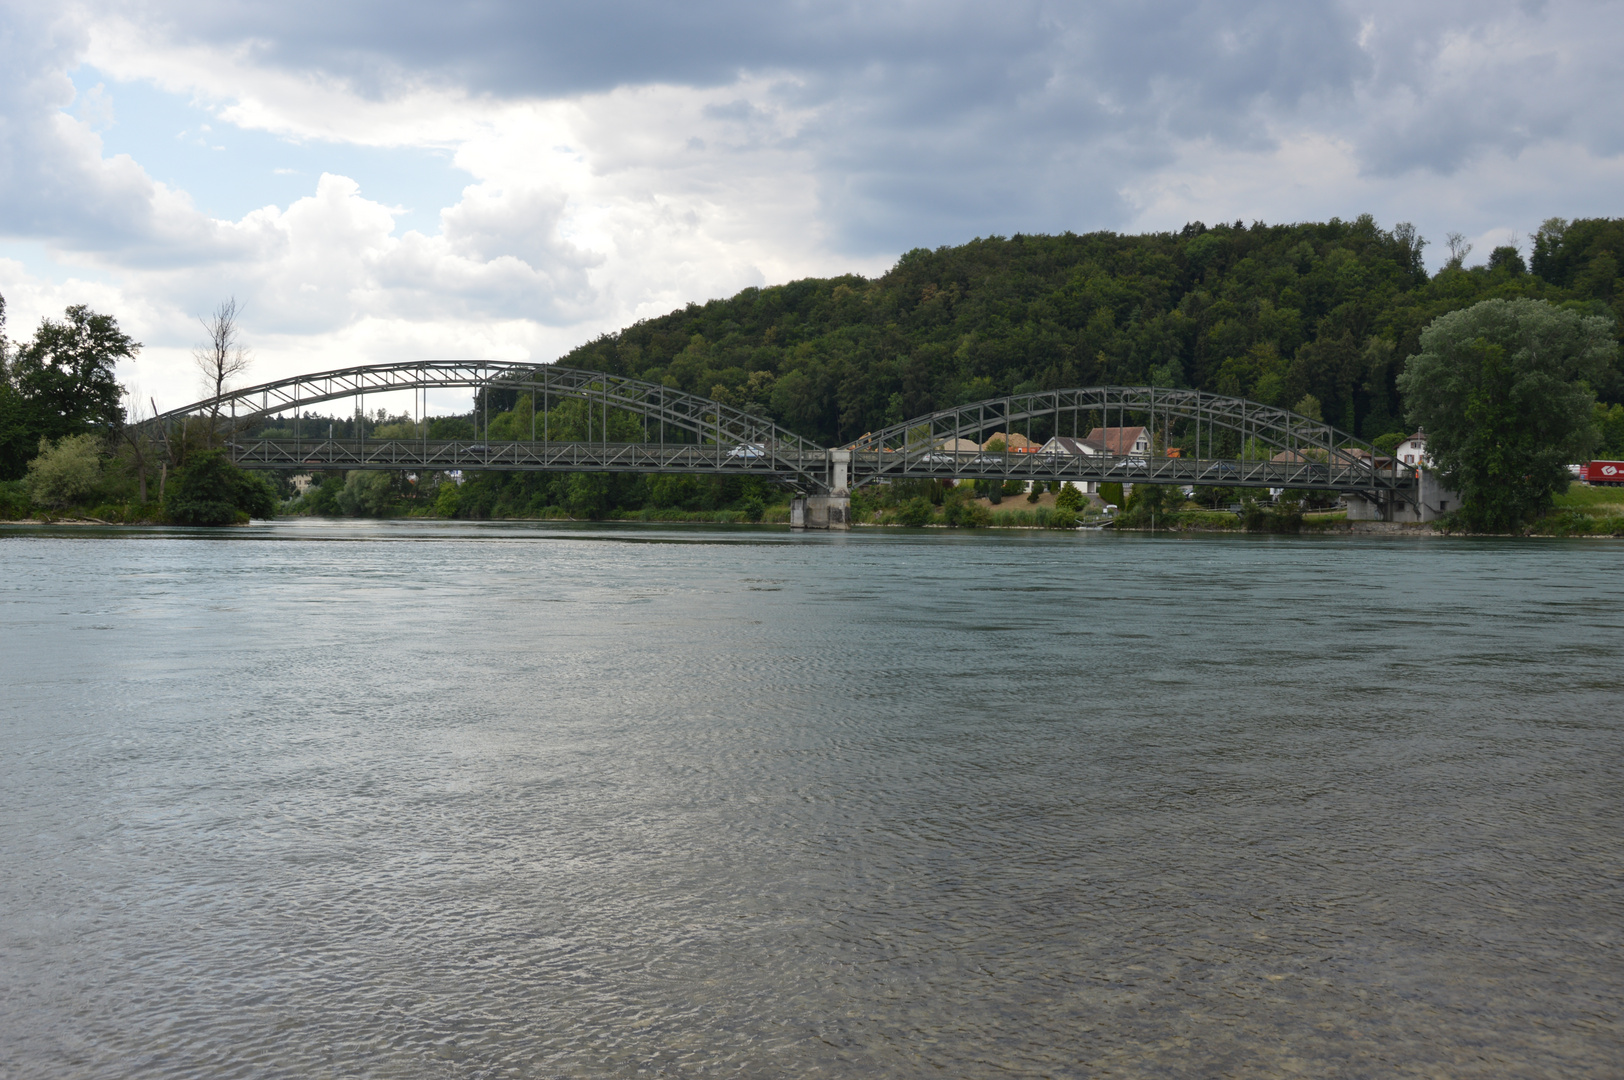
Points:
(1320, 317)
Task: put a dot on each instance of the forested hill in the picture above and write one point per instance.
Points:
(1275, 313)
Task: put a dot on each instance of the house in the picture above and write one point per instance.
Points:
(1120, 441)
(1413, 451)
(1061, 446)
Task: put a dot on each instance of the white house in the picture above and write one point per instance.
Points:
(1413, 451)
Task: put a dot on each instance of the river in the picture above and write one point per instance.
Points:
(322, 798)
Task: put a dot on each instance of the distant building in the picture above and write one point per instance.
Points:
(1413, 451)
(1120, 441)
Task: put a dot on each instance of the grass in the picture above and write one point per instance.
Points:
(1584, 511)
(1583, 497)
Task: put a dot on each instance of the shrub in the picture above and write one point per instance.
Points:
(14, 501)
(1064, 517)
(754, 507)
(916, 512)
(1285, 518)
(1069, 498)
(65, 472)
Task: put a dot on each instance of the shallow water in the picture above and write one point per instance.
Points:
(409, 800)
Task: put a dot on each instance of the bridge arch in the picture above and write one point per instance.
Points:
(682, 431)
(1195, 437)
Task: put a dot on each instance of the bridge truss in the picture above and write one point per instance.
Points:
(681, 432)
(1194, 438)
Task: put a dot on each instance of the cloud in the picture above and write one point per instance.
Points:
(627, 157)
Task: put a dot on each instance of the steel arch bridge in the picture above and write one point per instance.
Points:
(682, 433)
(1194, 437)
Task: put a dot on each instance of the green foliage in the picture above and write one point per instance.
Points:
(367, 494)
(965, 514)
(1069, 498)
(915, 512)
(14, 500)
(1609, 421)
(754, 508)
(62, 383)
(1274, 313)
(1149, 506)
(1504, 391)
(210, 490)
(1112, 494)
(1064, 517)
(446, 500)
(1287, 517)
(65, 472)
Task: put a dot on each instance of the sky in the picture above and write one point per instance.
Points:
(506, 180)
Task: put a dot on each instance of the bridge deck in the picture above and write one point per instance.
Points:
(798, 467)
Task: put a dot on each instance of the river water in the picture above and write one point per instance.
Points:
(321, 799)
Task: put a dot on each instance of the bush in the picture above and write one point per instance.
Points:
(65, 472)
(754, 508)
(210, 490)
(1285, 518)
(916, 512)
(1064, 517)
(14, 501)
(966, 515)
(1069, 498)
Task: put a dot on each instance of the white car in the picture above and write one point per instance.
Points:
(748, 452)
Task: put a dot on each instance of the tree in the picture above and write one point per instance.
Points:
(66, 472)
(210, 490)
(1503, 390)
(222, 357)
(367, 494)
(65, 375)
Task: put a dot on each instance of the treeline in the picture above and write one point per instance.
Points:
(1276, 313)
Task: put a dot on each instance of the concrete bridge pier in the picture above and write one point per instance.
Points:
(831, 511)
(820, 512)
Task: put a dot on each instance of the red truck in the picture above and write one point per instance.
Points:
(1602, 472)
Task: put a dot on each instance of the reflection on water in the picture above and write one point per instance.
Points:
(330, 799)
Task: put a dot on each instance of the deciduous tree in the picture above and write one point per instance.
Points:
(1504, 391)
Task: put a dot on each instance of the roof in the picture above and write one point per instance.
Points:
(1061, 444)
(1116, 441)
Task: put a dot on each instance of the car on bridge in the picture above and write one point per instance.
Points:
(748, 452)
(1219, 469)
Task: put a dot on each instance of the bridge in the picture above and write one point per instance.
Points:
(1191, 437)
